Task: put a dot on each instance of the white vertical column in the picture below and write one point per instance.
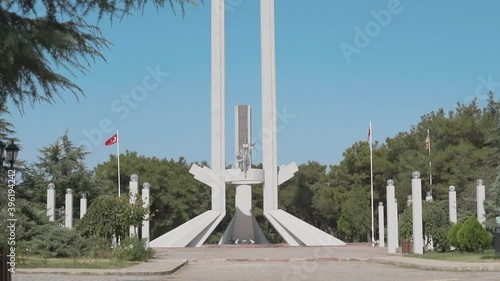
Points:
(133, 191)
(397, 222)
(416, 191)
(145, 223)
(481, 196)
(381, 225)
(391, 220)
(218, 105)
(452, 198)
(83, 205)
(68, 209)
(51, 202)
(269, 131)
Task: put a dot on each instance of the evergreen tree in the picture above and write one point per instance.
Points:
(38, 36)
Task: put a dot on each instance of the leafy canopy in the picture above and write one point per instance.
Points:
(38, 36)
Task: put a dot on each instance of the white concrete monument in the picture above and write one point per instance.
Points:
(391, 218)
(133, 191)
(68, 209)
(294, 231)
(452, 197)
(481, 196)
(145, 223)
(381, 225)
(418, 236)
(51, 202)
(83, 205)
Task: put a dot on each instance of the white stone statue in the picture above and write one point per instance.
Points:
(244, 156)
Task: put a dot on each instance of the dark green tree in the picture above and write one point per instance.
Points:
(63, 164)
(37, 37)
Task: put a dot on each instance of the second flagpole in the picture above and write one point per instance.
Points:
(118, 159)
(371, 183)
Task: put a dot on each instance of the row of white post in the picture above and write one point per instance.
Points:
(418, 239)
(134, 192)
(68, 207)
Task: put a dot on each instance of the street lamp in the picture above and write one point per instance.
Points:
(8, 153)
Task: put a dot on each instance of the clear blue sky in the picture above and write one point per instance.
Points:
(429, 55)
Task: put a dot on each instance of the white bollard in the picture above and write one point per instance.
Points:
(381, 225)
(397, 222)
(68, 212)
(83, 205)
(452, 198)
(133, 190)
(51, 202)
(391, 220)
(481, 196)
(145, 223)
(416, 191)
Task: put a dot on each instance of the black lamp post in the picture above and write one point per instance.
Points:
(8, 153)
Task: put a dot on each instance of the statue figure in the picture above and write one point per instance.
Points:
(498, 220)
(244, 156)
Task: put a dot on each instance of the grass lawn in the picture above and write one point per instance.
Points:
(37, 262)
(487, 256)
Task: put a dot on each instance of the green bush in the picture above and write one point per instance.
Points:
(452, 234)
(473, 237)
(436, 224)
(133, 249)
(406, 224)
(53, 241)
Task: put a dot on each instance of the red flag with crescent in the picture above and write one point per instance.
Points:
(112, 140)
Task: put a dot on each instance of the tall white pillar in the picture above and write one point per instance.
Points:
(145, 222)
(133, 191)
(218, 105)
(381, 225)
(418, 236)
(391, 218)
(452, 198)
(481, 196)
(397, 222)
(269, 126)
(51, 202)
(83, 205)
(68, 209)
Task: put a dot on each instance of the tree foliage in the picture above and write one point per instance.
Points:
(472, 237)
(110, 215)
(36, 37)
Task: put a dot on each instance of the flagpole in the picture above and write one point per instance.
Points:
(430, 163)
(371, 179)
(118, 158)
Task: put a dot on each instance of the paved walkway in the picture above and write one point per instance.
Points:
(169, 261)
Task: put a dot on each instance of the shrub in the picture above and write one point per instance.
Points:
(406, 224)
(473, 237)
(452, 234)
(53, 241)
(133, 249)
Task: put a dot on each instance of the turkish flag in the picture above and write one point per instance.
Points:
(112, 140)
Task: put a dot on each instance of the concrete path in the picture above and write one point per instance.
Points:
(169, 261)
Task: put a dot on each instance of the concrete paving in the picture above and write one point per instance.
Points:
(258, 262)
